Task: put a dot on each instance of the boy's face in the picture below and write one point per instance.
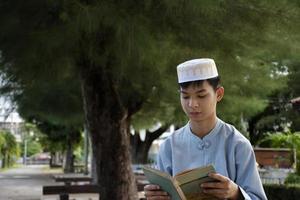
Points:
(199, 101)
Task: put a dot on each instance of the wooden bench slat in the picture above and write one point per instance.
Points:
(70, 189)
(75, 179)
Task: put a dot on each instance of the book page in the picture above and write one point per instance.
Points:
(197, 173)
(193, 191)
(190, 180)
(165, 181)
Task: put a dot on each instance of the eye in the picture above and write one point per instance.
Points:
(185, 97)
(201, 96)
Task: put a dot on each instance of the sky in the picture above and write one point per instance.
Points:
(7, 112)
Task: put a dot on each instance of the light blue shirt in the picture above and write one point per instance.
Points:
(224, 147)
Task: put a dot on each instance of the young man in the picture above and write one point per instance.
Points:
(206, 139)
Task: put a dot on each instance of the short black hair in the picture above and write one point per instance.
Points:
(214, 82)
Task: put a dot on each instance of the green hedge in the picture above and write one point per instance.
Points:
(292, 178)
(282, 192)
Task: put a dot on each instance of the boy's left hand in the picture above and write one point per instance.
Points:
(223, 189)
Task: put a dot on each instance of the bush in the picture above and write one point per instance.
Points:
(282, 192)
(292, 178)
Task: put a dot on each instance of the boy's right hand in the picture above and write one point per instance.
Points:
(153, 192)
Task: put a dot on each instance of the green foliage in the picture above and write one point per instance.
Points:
(292, 178)
(287, 140)
(10, 146)
(79, 152)
(9, 150)
(140, 44)
(294, 90)
(2, 141)
(56, 136)
(52, 100)
(280, 115)
(294, 81)
(34, 147)
(248, 71)
(32, 136)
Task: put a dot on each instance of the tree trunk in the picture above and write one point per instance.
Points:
(52, 159)
(140, 149)
(9, 161)
(69, 158)
(56, 159)
(254, 134)
(4, 159)
(107, 123)
(86, 151)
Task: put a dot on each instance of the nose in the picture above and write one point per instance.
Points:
(193, 103)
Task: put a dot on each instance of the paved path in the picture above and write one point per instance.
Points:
(24, 183)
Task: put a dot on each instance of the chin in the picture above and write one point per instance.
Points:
(200, 118)
(197, 119)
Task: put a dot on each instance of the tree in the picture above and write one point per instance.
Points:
(294, 89)
(9, 149)
(2, 142)
(139, 149)
(56, 109)
(60, 138)
(272, 119)
(121, 51)
(279, 115)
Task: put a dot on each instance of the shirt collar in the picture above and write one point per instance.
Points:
(209, 136)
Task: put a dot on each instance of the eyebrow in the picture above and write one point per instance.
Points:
(199, 91)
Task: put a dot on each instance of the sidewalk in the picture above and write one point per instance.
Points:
(26, 183)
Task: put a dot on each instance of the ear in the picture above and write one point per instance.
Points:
(219, 93)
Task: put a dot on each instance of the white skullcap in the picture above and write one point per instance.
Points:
(197, 69)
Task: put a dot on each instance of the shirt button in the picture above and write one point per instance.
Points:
(201, 146)
(207, 144)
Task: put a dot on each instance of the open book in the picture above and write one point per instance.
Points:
(183, 186)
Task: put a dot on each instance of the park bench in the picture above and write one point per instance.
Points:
(275, 157)
(141, 181)
(73, 185)
(65, 190)
(72, 179)
(79, 168)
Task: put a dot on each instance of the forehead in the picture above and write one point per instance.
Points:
(197, 87)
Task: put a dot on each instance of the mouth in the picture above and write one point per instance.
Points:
(195, 113)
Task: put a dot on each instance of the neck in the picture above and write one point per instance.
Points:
(203, 127)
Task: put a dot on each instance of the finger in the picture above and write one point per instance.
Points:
(151, 187)
(159, 198)
(150, 193)
(218, 177)
(213, 185)
(214, 191)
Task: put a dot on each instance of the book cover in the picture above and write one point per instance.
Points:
(183, 186)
